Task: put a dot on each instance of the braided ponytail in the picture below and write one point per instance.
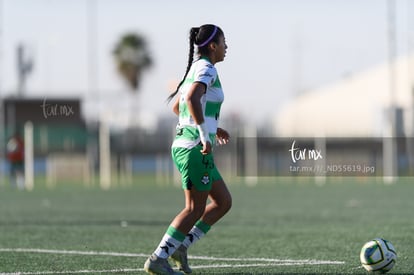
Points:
(193, 35)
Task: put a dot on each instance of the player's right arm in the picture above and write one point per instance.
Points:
(176, 106)
(197, 90)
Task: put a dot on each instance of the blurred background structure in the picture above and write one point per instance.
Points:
(92, 77)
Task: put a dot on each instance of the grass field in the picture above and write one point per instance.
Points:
(276, 227)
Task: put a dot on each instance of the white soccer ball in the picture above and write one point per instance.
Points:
(378, 255)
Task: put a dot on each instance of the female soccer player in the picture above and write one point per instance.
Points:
(198, 108)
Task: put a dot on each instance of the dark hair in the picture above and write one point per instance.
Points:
(201, 37)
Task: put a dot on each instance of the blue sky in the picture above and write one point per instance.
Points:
(277, 49)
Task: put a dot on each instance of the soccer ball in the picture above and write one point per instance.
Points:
(378, 255)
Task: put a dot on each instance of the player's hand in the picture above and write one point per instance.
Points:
(206, 148)
(222, 136)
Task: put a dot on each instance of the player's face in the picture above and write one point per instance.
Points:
(221, 49)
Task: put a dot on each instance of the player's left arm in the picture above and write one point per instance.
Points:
(222, 136)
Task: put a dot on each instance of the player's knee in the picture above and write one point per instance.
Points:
(224, 204)
(227, 203)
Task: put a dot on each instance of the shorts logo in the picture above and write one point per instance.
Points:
(205, 179)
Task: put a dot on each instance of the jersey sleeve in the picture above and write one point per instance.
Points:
(206, 74)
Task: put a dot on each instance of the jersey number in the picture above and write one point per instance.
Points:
(208, 162)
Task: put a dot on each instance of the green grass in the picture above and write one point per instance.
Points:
(277, 219)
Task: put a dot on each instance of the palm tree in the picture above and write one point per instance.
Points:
(132, 57)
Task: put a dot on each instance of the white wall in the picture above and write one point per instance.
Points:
(354, 106)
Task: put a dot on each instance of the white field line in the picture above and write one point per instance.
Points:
(76, 272)
(118, 254)
(72, 252)
(125, 270)
(263, 262)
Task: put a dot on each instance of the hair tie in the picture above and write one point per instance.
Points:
(208, 39)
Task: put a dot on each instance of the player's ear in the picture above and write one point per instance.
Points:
(212, 46)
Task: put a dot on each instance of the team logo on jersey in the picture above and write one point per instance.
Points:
(205, 179)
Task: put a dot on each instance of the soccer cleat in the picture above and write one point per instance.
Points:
(160, 266)
(180, 259)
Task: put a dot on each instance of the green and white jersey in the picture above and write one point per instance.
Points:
(187, 133)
